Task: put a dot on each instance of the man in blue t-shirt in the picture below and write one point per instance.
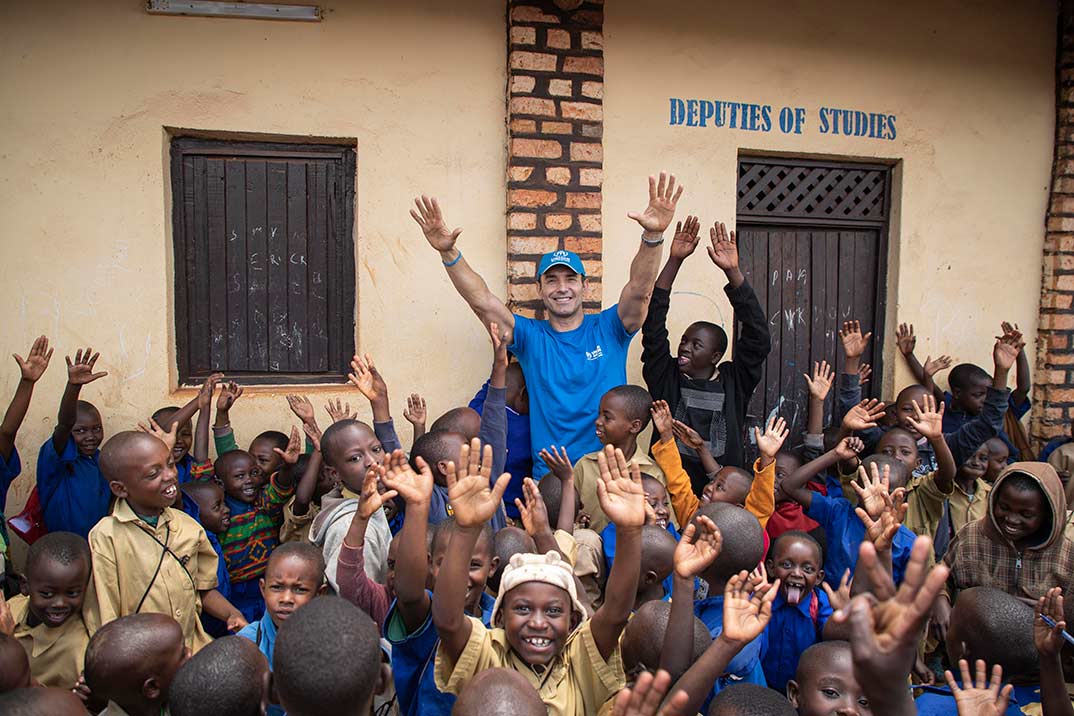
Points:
(570, 359)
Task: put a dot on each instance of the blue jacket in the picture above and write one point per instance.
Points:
(519, 460)
(73, 493)
(792, 629)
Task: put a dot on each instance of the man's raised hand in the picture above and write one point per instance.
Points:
(431, 221)
(663, 196)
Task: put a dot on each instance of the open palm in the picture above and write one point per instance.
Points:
(663, 197)
(698, 548)
(472, 500)
(619, 489)
(431, 220)
(413, 487)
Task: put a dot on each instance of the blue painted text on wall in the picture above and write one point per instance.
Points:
(788, 120)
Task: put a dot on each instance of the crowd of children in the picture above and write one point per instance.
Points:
(710, 568)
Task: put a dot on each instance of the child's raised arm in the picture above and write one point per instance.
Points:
(1049, 641)
(698, 548)
(354, 584)
(692, 439)
(794, 485)
(203, 402)
(307, 484)
(339, 410)
(623, 500)
(416, 414)
(819, 387)
(559, 464)
(928, 420)
(494, 412)
(286, 478)
(666, 454)
(534, 514)
(474, 501)
(412, 559)
(761, 499)
(645, 697)
(223, 435)
(303, 409)
(1022, 383)
(983, 698)
(79, 373)
(370, 382)
(683, 245)
(32, 368)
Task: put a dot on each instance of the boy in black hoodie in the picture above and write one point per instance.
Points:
(708, 396)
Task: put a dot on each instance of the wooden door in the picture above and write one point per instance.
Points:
(812, 267)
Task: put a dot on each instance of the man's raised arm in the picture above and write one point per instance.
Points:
(634, 300)
(473, 289)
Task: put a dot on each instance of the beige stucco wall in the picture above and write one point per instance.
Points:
(85, 91)
(971, 84)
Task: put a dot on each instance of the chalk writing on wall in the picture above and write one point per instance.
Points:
(753, 117)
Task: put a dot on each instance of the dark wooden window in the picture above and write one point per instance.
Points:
(264, 260)
(813, 244)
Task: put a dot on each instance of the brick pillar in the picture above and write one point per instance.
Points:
(555, 155)
(1053, 381)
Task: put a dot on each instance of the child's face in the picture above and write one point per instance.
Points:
(355, 452)
(268, 461)
(657, 497)
(214, 513)
(975, 466)
(239, 480)
(900, 446)
(904, 408)
(184, 438)
(389, 580)
(1019, 513)
(88, 431)
(289, 583)
(998, 454)
(56, 590)
(797, 566)
(970, 399)
(731, 485)
(697, 352)
(614, 426)
(786, 465)
(150, 482)
(482, 564)
(537, 620)
(829, 690)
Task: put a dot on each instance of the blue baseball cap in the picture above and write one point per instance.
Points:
(561, 258)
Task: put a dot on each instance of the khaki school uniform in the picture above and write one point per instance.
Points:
(966, 508)
(924, 500)
(577, 683)
(126, 553)
(587, 473)
(55, 653)
(296, 528)
(589, 565)
(114, 709)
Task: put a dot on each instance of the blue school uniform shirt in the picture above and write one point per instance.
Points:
(9, 470)
(845, 533)
(182, 468)
(607, 536)
(938, 700)
(73, 493)
(746, 666)
(263, 634)
(792, 629)
(414, 659)
(566, 375)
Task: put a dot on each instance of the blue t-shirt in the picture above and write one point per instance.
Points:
(182, 468)
(845, 533)
(263, 633)
(73, 493)
(413, 659)
(792, 629)
(746, 666)
(566, 375)
(938, 701)
(9, 470)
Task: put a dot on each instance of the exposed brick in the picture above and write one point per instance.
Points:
(589, 222)
(558, 222)
(535, 61)
(1060, 262)
(591, 177)
(584, 65)
(1055, 377)
(519, 173)
(581, 245)
(592, 41)
(1059, 395)
(1058, 242)
(591, 111)
(557, 127)
(540, 148)
(527, 311)
(525, 13)
(560, 39)
(1058, 341)
(1064, 283)
(1055, 223)
(531, 197)
(594, 130)
(523, 292)
(1063, 185)
(1067, 95)
(1065, 166)
(560, 88)
(558, 175)
(583, 201)
(1060, 204)
(593, 89)
(592, 291)
(523, 126)
(521, 35)
(592, 152)
(594, 268)
(531, 105)
(521, 220)
(521, 269)
(588, 17)
(533, 245)
(1061, 359)
(522, 84)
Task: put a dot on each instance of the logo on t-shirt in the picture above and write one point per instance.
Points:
(595, 354)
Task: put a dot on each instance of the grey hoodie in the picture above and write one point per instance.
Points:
(330, 527)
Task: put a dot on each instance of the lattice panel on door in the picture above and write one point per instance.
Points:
(811, 190)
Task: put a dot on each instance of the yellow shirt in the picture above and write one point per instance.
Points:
(55, 653)
(577, 683)
(589, 565)
(924, 500)
(966, 508)
(125, 559)
(587, 473)
(296, 528)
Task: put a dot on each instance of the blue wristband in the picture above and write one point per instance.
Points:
(449, 264)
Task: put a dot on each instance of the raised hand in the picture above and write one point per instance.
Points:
(619, 489)
(431, 221)
(662, 420)
(413, 487)
(1049, 639)
(469, 493)
(873, 489)
(165, 436)
(687, 435)
(36, 361)
(314, 434)
(80, 371)
(849, 448)
(983, 698)
(415, 411)
(371, 498)
(302, 408)
(229, 393)
(932, 367)
(686, 238)
(1006, 350)
(644, 698)
(839, 598)
(771, 440)
(881, 530)
(744, 615)
(864, 373)
(698, 548)
(205, 392)
(928, 417)
(863, 415)
(291, 453)
(854, 343)
(821, 382)
(339, 410)
(363, 378)
(558, 462)
(499, 344)
(533, 511)
(905, 338)
(663, 196)
(723, 248)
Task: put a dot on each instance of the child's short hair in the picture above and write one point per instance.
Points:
(222, 462)
(800, 536)
(435, 446)
(499, 692)
(344, 676)
(636, 400)
(898, 475)
(657, 551)
(60, 547)
(509, 541)
(818, 657)
(456, 419)
(994, 626)
(275, 438)
(332, 436)
(750, 700)
(304, 551)
(643, 636)
(226, 678)
(14, 664)
(551, 490)
(119, 653)
(115, 449)
(963, 375)
(742, 540)
(34, 701)
(441, 534)
(719, 335)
